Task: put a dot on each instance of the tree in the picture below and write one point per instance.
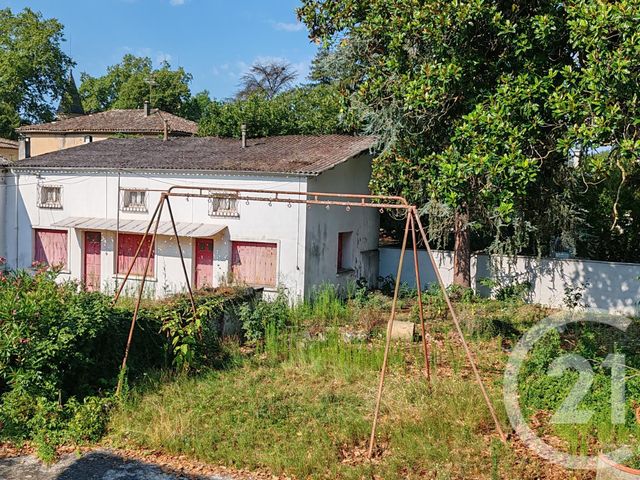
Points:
(305, 110)
(132, 81)
(268, 79)
(33, 68)
(475, 102)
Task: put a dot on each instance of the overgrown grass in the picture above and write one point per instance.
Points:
(301, 403)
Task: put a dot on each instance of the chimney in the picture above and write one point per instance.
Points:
(243, 128)
(166, 130)
(147, 108)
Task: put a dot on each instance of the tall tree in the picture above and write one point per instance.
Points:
(33, 68)
(132, 81)
(475, 102)
(268, 78)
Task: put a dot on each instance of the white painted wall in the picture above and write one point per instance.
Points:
(614, 287)
(96, 195)
(324, 225)
(3, 213)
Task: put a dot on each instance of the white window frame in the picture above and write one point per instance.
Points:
(45, 200)
(126, 204)
(226, 206)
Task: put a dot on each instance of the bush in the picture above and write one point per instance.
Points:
(256, 318)
(61, 349)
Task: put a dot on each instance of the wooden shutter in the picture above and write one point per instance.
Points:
(51, 247)
(127, 246)
(254, 263)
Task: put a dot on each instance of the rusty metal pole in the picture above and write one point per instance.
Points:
(126, 277)
(184, 267)
(416, 265)
(456, 322)
(387, 346)
(139, 299)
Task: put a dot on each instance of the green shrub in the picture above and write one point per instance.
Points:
(262, 314)
(61, 350)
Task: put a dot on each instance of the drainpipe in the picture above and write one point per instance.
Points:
(3, 215)
(17, 225)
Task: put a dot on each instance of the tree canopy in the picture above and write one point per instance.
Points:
(480, 104)
(33, 68)
(132, 81)
(308, 110)
(267, 78)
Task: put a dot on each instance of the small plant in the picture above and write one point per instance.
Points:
(258, 316)
(573, 295)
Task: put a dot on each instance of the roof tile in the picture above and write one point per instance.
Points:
(117, 121)
(297, 154)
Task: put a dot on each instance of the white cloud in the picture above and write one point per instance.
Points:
(176, 3)
(288, 26)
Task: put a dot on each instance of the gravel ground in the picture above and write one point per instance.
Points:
(96, 465)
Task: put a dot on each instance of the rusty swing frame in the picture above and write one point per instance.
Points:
(381, 202)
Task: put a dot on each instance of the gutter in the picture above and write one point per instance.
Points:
(199, 172)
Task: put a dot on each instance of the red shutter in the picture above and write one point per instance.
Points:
(127, 246)
(50, 247)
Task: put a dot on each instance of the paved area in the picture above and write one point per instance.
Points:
(97, 465)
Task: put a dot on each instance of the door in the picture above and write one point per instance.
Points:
(204, 262)
(92, 241)
(254, 263)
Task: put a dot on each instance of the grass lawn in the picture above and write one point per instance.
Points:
(303, 408)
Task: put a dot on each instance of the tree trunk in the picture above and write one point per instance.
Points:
(462, 248)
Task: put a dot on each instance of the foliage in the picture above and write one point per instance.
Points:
(194, 341)
(256, 318)
(132, 81)
(267, 79)
(33, 68)
(61, 349)
(305, 110)
(478, 105)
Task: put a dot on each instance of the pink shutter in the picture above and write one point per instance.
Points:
(51, 247)
(127, 246)
(254, 263)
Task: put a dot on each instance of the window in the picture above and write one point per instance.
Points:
(127, 246)
(254, 263)
(88, 139)
(344, 252)
(134, 200)
(27, 147)
(50, 247)
(50, 196)
(223, 207)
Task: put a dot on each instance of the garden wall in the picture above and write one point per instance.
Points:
(613, 287)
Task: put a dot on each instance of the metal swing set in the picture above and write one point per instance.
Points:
(328, 200)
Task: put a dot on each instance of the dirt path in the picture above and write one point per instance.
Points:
(95, 465)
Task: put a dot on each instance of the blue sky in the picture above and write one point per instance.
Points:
(214, 40)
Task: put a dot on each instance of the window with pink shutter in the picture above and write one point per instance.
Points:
(50, 247)
(127, 246)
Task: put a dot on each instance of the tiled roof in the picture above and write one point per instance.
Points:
(298, 154)
(4, 162)
(117, 121)
(6, 143)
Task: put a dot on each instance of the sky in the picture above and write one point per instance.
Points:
(214, 40)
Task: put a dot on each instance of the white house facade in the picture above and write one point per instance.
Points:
(85, 210)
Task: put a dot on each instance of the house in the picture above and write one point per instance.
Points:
(86, 209)
(77, 129)
(8, 149)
